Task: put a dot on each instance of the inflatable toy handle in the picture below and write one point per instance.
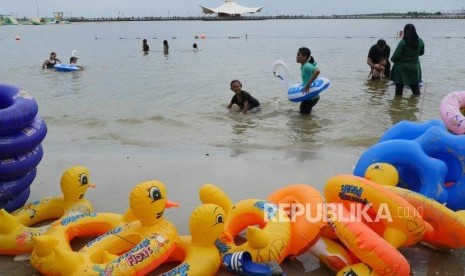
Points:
(285, 76)
(75, 54)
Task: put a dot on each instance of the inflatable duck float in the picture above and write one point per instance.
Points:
(16, 232)
(198, 253)
(444, 227)
(270, 241)
(135, 248)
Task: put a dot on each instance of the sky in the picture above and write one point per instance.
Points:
(115, 8)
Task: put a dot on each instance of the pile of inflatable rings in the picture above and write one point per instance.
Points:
(22, 131)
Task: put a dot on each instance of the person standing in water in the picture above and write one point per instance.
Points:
(166, 47)
(406, 69)
(51, 61)
(309, 73)
(145, 46)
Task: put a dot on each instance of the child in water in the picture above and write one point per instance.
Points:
(377, 72)
(243, 99)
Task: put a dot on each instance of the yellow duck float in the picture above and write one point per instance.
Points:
(444, 227)
(198, 253)
(268, 231)
(134, 248)
(16, 232)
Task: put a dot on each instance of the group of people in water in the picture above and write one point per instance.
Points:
(166, 47)
(53, 60)
(405, 71)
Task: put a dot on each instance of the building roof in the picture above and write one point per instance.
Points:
(231, 8)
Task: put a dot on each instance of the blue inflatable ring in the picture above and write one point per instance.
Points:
(24, 140)
(11, 189)
(17, 202)
(409, 130)
(17, 109)
(418, 171)
(66, 67)
(296, 92)
(18, 166)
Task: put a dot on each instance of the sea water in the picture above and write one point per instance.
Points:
(175, 104)
(179, 100)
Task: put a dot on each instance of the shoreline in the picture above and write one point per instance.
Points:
(241, 174)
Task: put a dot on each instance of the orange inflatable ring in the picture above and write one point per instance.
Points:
(16, 231)
(367, 245)
(269, 241)
(400, 224)
(445, 226)
(332, 254)
(134, 248)
(306, 208)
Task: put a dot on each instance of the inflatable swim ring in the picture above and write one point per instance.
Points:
(417, 170)
(18, 166)
(334, 255)
(397, 228)
(409, 130)
(24, 140)
(296, 92)
(10, 189)
(66, 67)
(268, 231)
(17, 109)
(17, 201)
(446, 227)
(16, 229)
(450, 149)
(135, 248)
(64, 230)
(367, 245)
(450, 111)
(306, 209)
(198, 253)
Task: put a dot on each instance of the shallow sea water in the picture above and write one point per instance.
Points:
(170, 110)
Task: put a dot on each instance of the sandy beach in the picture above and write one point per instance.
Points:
(242, 174)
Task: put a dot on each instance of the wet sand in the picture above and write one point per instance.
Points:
(241, 174)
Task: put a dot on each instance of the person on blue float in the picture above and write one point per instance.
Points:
(73, 61)
(309, 73)
(376, 54)
(243, 99)
(406, 69)
(51, 61)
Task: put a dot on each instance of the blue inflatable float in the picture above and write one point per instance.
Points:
(430, 160)
(66, 67)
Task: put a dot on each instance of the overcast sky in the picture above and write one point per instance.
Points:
(114, 8)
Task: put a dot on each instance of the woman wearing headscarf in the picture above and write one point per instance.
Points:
(407, 69)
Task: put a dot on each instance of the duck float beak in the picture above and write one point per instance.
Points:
(171, 204)
(225, 236)
(92, 185)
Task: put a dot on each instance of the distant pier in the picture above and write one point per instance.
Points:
(271, 17)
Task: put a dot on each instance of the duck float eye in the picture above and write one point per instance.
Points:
(155, 194)
(378, 166)
(84, 179)
(219, 219)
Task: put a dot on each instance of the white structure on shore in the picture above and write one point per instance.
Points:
(230, 9)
